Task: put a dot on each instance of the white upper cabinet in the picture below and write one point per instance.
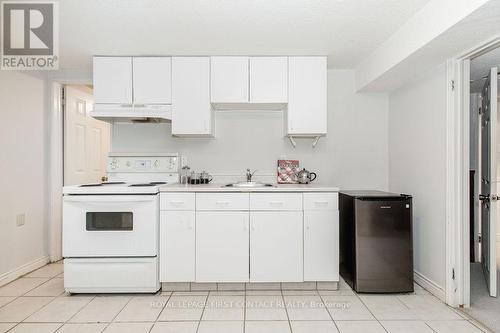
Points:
(186, 90)
(133, 80)
(191, 110)
(268, 79)
(229, 79)
(113, 80)
(307, 96)
(152, 80)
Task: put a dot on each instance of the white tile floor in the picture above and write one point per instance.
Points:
(37, 303)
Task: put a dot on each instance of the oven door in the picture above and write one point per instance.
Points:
(110, 225)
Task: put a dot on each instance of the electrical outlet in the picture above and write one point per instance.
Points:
(20, 219)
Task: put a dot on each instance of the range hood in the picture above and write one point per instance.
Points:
(132, 113)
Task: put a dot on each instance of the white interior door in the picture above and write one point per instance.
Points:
(489, 194)
(86, 140)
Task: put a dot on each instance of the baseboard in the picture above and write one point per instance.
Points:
(429, 285)
(24, 269)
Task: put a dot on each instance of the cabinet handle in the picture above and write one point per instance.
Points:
(222, 203)
(252, 225)
(126, 105)
(321, 203)
(245, 227)
(140, 105)
(190, 225)
(176, 202)
(276, 203)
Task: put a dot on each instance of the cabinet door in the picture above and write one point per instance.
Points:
(276, 251)
(177, 246)
(268, 79)
(152, 80)
(222, 246)
(321, 245)
(307, 96)
(191, 110)
(113, 80)
(229, 79)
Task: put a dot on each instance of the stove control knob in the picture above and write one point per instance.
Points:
(156, 164)
(128, 164)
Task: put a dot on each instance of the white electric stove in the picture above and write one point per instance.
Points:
(110, 229)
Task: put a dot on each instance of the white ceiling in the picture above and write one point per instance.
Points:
(345, 30)
(480, 68)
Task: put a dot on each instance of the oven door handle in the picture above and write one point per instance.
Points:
(102, 199)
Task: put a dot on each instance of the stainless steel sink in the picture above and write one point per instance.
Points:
(249, 185)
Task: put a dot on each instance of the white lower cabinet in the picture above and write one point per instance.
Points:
(321, 237)
(242, 237)
(276, 246)
(177, 246)
(222, 246)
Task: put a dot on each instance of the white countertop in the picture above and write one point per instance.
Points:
(276, 188)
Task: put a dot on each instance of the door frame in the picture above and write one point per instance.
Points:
(457, 175)
(55, 81)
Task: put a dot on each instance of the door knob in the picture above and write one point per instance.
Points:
(487, 197)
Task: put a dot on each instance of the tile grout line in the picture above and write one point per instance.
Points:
(113, 319)
(369, 310)
(429, 326)
(245, 304)
(77, 312)
(327, 310)
(203, 311)
(286, 310)
(43, 307)
(12, 300)
(473, 321)
(16, 297)
(162, 309)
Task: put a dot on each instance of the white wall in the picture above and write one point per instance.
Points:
(353, 155)
(417, 165)
(22, 172)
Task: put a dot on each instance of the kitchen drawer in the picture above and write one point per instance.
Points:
(177, 201)
(222, 201)
(276, 201)
(321, 201)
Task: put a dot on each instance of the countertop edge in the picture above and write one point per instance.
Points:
(220, 188)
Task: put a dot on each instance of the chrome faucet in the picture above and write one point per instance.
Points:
(250, 175)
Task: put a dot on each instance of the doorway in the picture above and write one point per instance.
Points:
(86, 140)
(79, 146)
(484, 189)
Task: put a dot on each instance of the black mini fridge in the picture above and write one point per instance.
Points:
(376, 242)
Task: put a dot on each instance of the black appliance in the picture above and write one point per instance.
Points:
(376, 242)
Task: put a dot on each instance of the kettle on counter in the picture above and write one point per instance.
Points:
(305, 177)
